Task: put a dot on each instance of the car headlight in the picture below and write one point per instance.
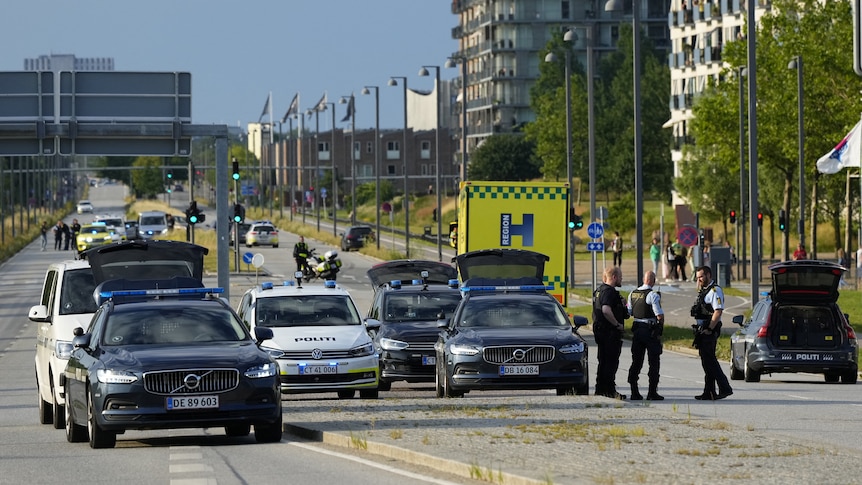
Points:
(572, 348)
(63, 349)
(273, 352)
(264, 370)
(108, 376)
(457, 349)
(362, 350)
(390, 344)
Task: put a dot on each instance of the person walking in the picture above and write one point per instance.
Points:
(75, 229)
(617, 248)
(44, 232)
(67, 236)
(681, 260)
(644, 305)
(655, 254)
(58, 235)
(609, 313)
(800, 253)
(670, 257)
(300, 255)
(707, 312)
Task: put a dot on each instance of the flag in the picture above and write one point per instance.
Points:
(350, 110)
(293, 108)
(267, 108)
(321, 105)
(845, 154)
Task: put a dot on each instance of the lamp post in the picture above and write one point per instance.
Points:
(796, 63)
(334, 180)
(393, 81)
(350, 103)
(567, 38)
(617, 5)
(424, 72)
(450, 63)
(740, 242)
(367, 90)
(591, 138)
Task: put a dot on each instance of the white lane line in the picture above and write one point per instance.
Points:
(404, 473)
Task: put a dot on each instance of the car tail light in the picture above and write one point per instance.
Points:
(850, 332)
(764, 330)
(252, 233)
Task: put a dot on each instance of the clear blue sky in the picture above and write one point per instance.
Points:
(239, 51)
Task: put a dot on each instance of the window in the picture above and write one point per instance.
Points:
(390, 170)
(425, 149)
(565, 12)
(392, 146)
(369, 147)
(357, 150)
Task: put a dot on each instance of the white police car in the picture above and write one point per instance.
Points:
(321, 343)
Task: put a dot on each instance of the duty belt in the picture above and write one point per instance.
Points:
(647, 322)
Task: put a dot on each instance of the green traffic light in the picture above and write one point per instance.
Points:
(237, 218)
(236, 176)
(579, 224)
(193, 219)
(571, 225)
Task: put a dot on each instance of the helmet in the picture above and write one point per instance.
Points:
(330, 254)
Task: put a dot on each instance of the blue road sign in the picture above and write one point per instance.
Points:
(595, 230)
(247, 257)
(595, 246)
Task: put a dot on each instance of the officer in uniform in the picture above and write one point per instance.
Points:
(300, 255)
(609, 313)
(644, 305)
(707, 316)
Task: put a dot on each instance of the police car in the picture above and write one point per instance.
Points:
(320, 341)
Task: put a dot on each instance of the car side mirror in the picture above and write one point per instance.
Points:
(372, 324)
(81, 339)
(579, 321)
(738, 319)
(262, 333)
(39, 313)
(442, 323)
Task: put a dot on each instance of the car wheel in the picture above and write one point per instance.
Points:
(74, 433)
(346, 394)
(565, 391)
(99, 438)
(447, 387)
(438, 383)
(268, 433)
(850, 376)
(45, 408)
(369, 393)
(735, 374)
(236, 430)
(750, 375)
(275, 246)
(59, 412)
(384, 385)
(832, 377)
(583, 389)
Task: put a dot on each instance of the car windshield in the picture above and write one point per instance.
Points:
(153, 221)
(113, 222)
(311, 310)
(77, 294)
(419, 307)
(172, 326)
(497, 312)
(93, 229)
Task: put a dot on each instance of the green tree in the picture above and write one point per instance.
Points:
(147, 180)
(504, 157)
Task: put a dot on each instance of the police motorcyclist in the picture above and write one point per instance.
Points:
(300, 255)
(644, 305)
(707, 312)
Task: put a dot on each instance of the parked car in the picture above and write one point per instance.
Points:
(798, 327)
(132, 230)
(355, 237)
(92, 235)
(243, 229)
(116, 225)
(85, 207)
(152, 224)
(261, 234)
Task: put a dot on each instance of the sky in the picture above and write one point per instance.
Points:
(238, 52)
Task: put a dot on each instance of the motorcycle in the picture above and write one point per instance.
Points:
(325, 267)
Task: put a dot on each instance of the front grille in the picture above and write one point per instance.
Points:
(539, 354)
(306, 355)
(191, 381)
(421, 346)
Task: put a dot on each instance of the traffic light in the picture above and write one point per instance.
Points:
(235, 170)
(575, 221)
(193, 214)
(782, 221)
(238, 213)
(170, 175)
(760, 219)
(732, 216)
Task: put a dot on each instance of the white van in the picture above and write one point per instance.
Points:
(152, 224)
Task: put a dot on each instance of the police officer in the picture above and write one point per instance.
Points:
(644, 305)
(609, 313)
(300, 255)
(707, 315)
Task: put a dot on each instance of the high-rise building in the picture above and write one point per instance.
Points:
(68, 62)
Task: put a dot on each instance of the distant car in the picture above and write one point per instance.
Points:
(152, 224)
(797, 328)
(116, 225)
(261, 234)
(243, 229)
(131, 229)
(178, 188)
(355, 236)
(409, 297)
(92, 235)
(85, 207)
(320, 341)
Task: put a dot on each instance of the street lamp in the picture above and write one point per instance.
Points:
(796, 63)
(742, 71)
(367, 90)
(617, 5)
(393, 81)
(349, 101)
(450, 63)
(567, 38)
(334, 180)
(424, 72)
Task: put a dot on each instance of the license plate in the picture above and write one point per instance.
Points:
(426, 360)
(191, 402)
(318, 369)
(519, 370)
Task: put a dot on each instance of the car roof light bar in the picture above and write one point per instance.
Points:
(329, 284)
(507, 288)
(161, 292)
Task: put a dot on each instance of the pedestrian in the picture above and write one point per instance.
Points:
(58, 235)
(300, 255)
(670, 260)
(858, 264)
(75, 229)
(707, 312)
(67, 236)
(169, 219)
(655, 254)
(681, 260)
(44, 231)
(644, 305)
(842, 261)
(617, 248)
(609, 313)
(800, 253)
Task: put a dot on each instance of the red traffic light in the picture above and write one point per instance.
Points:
(760, 218)
(733, 217)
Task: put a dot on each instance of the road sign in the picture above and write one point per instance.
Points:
(595, 246)
(595, 230)
(688, 236)
(257, 260)
(247, 257)
(323, 192)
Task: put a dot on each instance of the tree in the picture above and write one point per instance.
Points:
(507, 157)
(147, 181)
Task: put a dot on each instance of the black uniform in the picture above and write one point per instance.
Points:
(300, 254)
(646, 339)
(713, 375)
(609, 339)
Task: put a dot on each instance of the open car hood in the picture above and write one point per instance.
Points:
(146, 260)
(501, 264)
(410, 269)
(806, 281)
